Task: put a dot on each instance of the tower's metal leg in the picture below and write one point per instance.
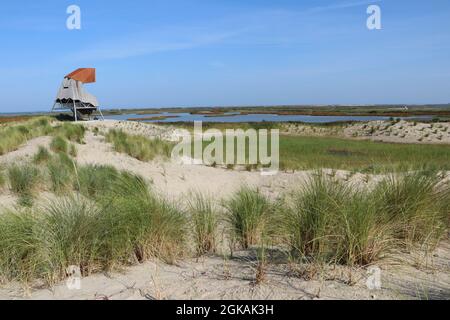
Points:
(101, 114)
(75, 111)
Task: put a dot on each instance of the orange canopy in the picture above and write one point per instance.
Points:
(85, 75)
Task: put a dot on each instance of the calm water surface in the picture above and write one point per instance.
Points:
(235, 117)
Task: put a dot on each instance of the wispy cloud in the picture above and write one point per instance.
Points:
(150, 43)
(264, 27)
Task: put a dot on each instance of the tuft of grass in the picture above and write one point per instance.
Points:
(73, 152)
(362, 237)
(248, 213)
(42, 156)
(13, 136)
(310, 216)
(72, 132)
(417, 204)
(59, 145)
(61, 171)
(95, 181)
(128, 226)
(23, 180)
(261, 264)
(328, 221)
(18, 246)
(139, 147)
(203, 215)
(2, 178)
(68, 237)
(139, 225)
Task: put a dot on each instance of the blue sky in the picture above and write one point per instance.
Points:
(233, 52)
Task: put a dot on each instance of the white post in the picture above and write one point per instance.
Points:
(75, 111)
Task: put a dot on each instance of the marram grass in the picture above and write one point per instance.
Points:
(327, 221)
(204, 223)
(129, 225)
(139, 147)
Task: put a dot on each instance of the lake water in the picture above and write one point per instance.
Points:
(236, 117)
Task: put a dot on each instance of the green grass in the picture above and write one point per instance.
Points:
(2, 178)
(310, 153)
(95, 181)
(326, 221)
(42, 156)
(61, 173)
(73, 152)
(12, 136)
(248, 214)
(139, 147)
(72, 132)
(365, 156)
(68, 236)
(204, 218)
(116, 220)
(129, 225)
(59, 145)
(23, 180)
(18, 246)
(417, 204)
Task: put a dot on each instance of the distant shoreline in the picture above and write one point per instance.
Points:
(396, 111)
